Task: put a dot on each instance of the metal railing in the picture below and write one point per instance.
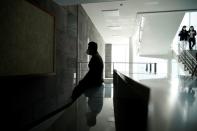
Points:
(124, 67)
(189, 61)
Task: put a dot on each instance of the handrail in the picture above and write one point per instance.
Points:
(131, 100)
(191, 60)
(44, 118)
(125, 62)
(150, 67)
(189, 54)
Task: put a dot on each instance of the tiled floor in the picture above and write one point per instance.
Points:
(105, 120)
(172, 107)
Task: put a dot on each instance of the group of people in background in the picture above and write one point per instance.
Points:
(188, 36)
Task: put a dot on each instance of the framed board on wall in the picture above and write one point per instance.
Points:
(27, 40)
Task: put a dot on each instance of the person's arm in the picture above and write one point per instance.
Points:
(85, 79)
(180, 33)
(89, 75)
(189, 33)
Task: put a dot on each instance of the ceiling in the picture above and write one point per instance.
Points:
(117, 21)
(126, 21)
(73, 2)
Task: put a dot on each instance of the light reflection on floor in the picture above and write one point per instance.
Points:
(172, 107)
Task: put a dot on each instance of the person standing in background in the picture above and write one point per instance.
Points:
(183, 36)
(192, 39)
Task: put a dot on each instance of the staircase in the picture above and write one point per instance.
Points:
(188, 58)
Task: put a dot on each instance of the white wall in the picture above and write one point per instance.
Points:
(158, 33)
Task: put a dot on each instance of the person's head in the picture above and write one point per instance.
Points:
(184, 27)
(92, 48)
(191, 28)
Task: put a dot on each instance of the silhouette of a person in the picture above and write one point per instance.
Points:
(183, 36)
(192, 39)
(94, 77)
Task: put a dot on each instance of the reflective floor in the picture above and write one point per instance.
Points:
(105, 120)
(172, 105)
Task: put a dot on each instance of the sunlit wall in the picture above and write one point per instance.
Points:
(139, 66)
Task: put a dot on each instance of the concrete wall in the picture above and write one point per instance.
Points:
(22, 48)
(130, 56)
(88, 32)
(27, 99)
(108, 60)
(30, 98)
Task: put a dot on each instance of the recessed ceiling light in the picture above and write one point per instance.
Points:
(115, 27)
(116, 35)
(151, 3)
(112, 12)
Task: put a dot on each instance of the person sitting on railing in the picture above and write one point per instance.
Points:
(192, 39)
(91, 85)
(183, 36)
(94, 77)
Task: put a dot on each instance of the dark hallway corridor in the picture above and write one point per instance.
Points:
(43, 57)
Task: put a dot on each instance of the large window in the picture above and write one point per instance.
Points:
(120, 57)
(193, 19)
